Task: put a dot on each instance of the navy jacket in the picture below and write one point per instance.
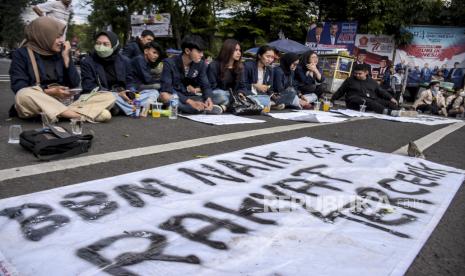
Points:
(141, 72)
(281, 81)
(132, 49)
(304, 79)
(22, 74)
(93, 73)
(214, 76)
(251, 76)
(173, 79)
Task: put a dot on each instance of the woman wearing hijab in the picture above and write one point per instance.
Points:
(285, 83)
(106, 69)
(42, 72)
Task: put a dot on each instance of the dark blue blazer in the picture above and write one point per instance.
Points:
(132, 50)
(93, 73)
(304, 79)
(251, 76)
(22, 74)
(141, 72)
(214, 76)
(173, 79)
(282, 81)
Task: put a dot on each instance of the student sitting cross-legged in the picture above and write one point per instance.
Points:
(286, 84)
(146, 69)
(42, 74)
(108, 70)
(225, 73)
(258, 77)
(186, 76)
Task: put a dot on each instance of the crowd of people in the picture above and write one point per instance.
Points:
(404, 81)
(44, 78)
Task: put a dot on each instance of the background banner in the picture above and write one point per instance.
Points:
(326, 36)
(376, 46)
(435, 46)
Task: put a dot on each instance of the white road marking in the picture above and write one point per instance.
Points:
(72, 163)
(427, 141)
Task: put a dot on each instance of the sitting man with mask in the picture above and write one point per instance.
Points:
(431, 100)
(362, 90)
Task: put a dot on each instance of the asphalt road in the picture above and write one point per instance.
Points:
(443, 254)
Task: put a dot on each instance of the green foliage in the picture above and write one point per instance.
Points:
(251, 22)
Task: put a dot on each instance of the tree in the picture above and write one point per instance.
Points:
(114, 13)
(11, 23)
(256, 22)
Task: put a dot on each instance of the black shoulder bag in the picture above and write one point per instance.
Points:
(54, 143)
(244, 105)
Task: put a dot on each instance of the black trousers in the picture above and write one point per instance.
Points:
(377, 105)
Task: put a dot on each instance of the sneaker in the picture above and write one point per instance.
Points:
(278, 106)
(404, 113)
(216, 110)
(408, 113)
(104, 116)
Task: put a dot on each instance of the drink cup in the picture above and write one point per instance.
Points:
(326, 106)
(156, 110)
(76, 125)
(15, 131)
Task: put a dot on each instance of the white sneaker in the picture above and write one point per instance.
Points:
(104, 116)
(216, 110)
(404, 113)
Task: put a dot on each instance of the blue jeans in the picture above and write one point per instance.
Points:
(221, 97)
(146, 97)
(289, 99)
(263, 100)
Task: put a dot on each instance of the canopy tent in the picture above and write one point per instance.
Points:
(283, 45)
(289, 46)
(252, 51)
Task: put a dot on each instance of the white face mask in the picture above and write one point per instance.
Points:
(462, 94)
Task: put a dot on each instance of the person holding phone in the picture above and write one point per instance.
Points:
(42, 72)
(107, 70)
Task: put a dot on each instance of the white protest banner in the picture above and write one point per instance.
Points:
(224, 119)
(419, 119)
(309, 116)
(295, 207)
(158, 30)
(159, 18)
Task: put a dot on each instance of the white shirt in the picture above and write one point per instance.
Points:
(57, 10)
(260, 77)
(333, 40)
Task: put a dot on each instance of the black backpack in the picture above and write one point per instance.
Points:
(54, 142)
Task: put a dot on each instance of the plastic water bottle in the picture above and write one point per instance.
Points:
(174, 103)
(137, 105)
